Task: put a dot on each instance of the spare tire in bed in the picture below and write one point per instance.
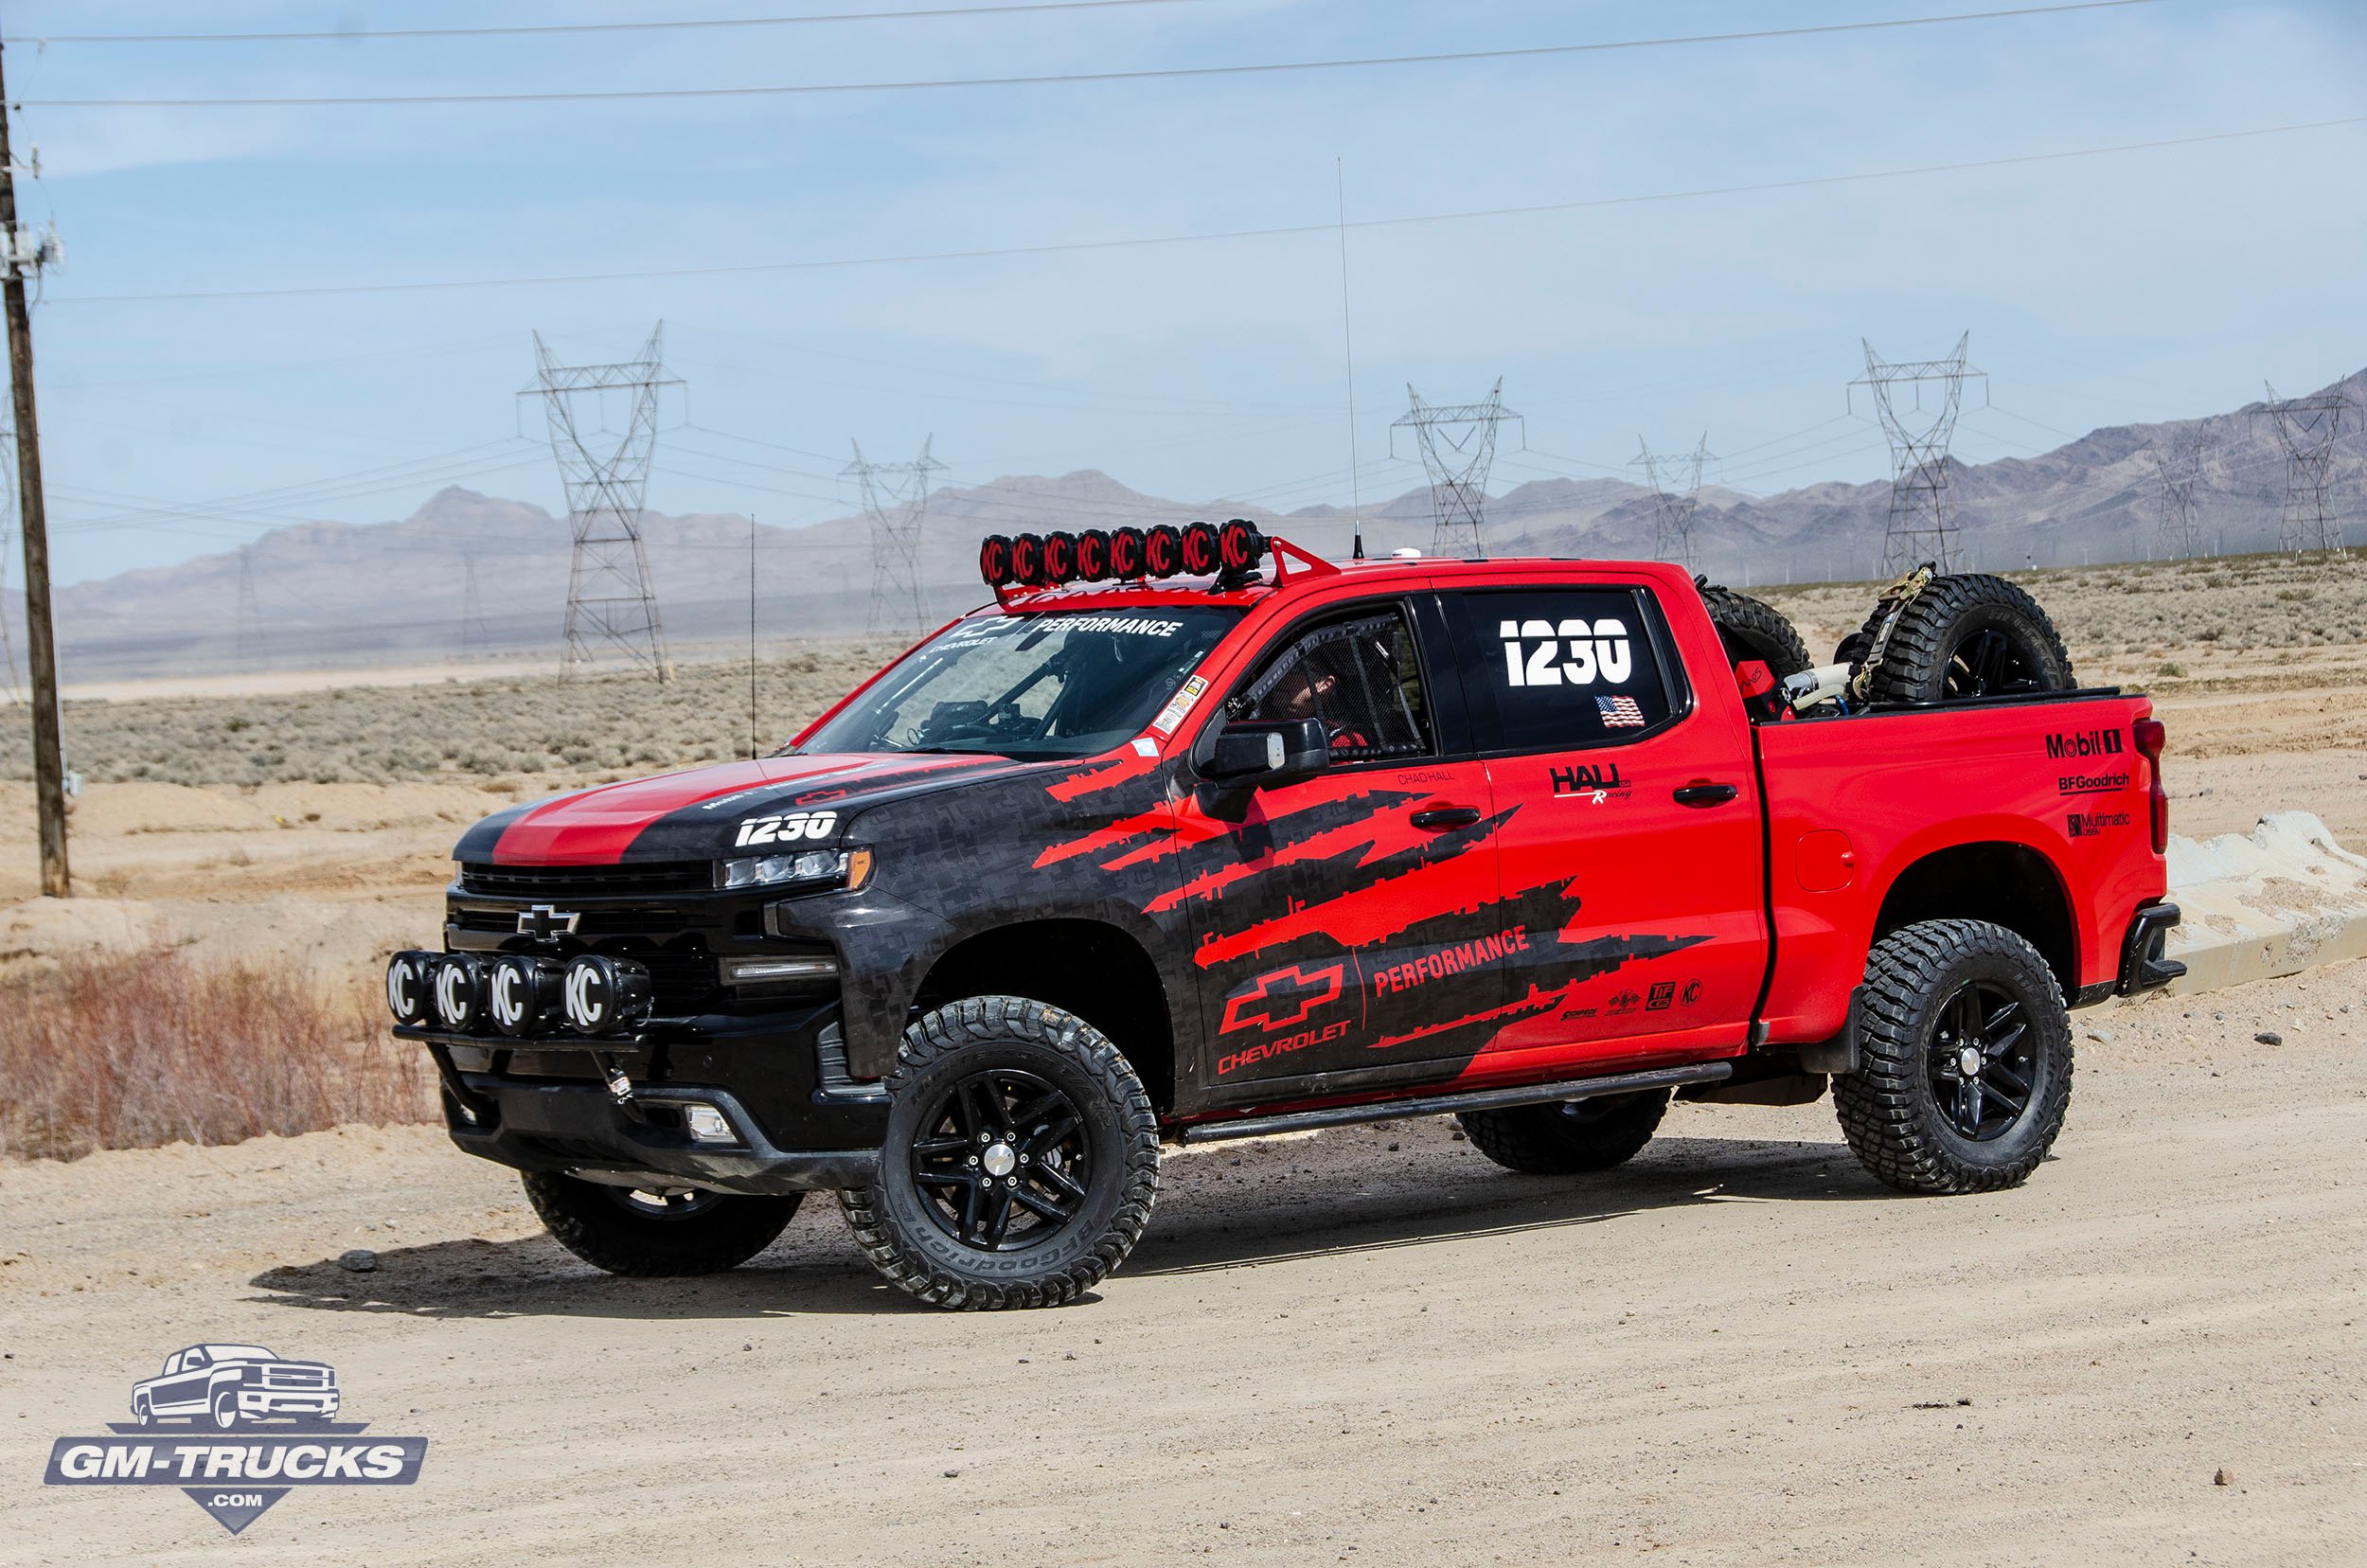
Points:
(1963, 636)
(1753, 629)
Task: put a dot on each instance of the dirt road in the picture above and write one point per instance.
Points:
(1368, 1346)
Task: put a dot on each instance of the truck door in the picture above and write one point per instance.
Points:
(1629, 834)
(1344, 921)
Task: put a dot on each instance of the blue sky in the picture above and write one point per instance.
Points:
(2098, 290)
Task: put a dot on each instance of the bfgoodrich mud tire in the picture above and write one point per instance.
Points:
(645, 1235)
(1964, 637)
(1752, 629)
(1567, 1140)
(1965, 1059)
(1020, 1161)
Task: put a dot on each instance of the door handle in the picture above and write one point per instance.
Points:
(1435, 817)
(1706, 794)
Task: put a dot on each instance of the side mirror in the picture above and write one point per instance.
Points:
(1254, 756)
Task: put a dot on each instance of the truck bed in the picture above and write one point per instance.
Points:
(2048, 787)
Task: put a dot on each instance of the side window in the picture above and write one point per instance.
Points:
(1359, 677)
(1562, 667)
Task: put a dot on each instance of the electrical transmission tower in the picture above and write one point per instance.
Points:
(603, 420)
(476, 636)
(1675, 496)
(2306, 428)
(1459, 445)
(896, 498)
(2180, 468)
(1923, 515)
(249, 644)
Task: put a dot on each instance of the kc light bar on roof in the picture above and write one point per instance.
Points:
(1052, 559)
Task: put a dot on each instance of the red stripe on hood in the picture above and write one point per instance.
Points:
(595, 827)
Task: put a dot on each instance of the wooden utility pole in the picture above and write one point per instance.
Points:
(40, 642)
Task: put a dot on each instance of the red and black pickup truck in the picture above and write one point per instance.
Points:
(1191, 836)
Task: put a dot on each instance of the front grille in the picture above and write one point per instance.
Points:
(295, 1377)
(541, 882)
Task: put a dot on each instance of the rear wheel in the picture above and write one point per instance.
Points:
(656, 1234)
(1965, 1059)
(1567, 1139)
(1963, 636)
(1752, 629)
(1020, 1161)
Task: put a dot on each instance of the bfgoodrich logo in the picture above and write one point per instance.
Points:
(237, 1428)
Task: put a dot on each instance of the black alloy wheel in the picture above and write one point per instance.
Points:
(1003, 1160)
(1984, 1062)
(663, 1206)
(1965, 1059)
(1020, 1163)
(1989, 664)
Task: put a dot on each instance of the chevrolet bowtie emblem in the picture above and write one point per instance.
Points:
(545, 922)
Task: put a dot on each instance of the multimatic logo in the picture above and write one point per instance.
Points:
(252, 1427)
(2083, 743)
(2089, 823)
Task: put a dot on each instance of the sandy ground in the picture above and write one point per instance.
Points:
(1366, 1346)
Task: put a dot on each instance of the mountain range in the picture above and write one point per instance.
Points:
(344, 595)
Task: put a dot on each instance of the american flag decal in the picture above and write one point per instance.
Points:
(1619, 712)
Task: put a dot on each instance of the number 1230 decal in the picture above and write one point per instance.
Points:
(1533, 653)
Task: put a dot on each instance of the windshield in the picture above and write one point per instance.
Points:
(1052, 685)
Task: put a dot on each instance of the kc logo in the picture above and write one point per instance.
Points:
(1283, 997)
(587, 996)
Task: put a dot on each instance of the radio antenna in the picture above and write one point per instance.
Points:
(1348, 335)
(752, 636)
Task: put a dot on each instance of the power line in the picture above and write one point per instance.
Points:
(1167, 73)
(362, 34)
(1145, 241)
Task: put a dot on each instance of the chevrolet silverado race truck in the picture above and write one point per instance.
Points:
(1191, 836)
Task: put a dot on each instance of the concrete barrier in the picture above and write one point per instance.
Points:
(2282, 898)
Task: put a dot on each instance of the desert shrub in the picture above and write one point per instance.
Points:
(137, 1050)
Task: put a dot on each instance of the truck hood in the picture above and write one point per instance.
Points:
(697, 815)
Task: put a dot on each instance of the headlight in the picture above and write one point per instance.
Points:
(812, 871)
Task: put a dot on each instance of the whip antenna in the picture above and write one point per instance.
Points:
(1348, 335)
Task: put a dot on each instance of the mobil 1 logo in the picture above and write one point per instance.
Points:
(237, 1428)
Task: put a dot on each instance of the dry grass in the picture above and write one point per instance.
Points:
(535, 727)
(137, 1050)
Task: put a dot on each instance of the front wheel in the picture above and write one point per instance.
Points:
(1965, 1059)
(656, 1233)
(225, 1410)
(1020, 1161)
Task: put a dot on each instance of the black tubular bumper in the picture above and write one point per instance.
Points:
(582, 1128)
(2143, 967)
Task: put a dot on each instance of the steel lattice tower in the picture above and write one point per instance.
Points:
(605, 471)
(1922, 521)
(2180, 467)
(896, 498)
(475, 635)
(1458, 446)
(249, 642)
(1676, 497)
(2306, 429)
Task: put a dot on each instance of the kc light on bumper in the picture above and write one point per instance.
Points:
(459, 988)
(602, 995)
(408, 978)
(812, 871)
(521, 992)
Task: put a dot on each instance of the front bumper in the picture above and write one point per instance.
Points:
(797, 1122)
(288, 1401)
(582, 1129)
